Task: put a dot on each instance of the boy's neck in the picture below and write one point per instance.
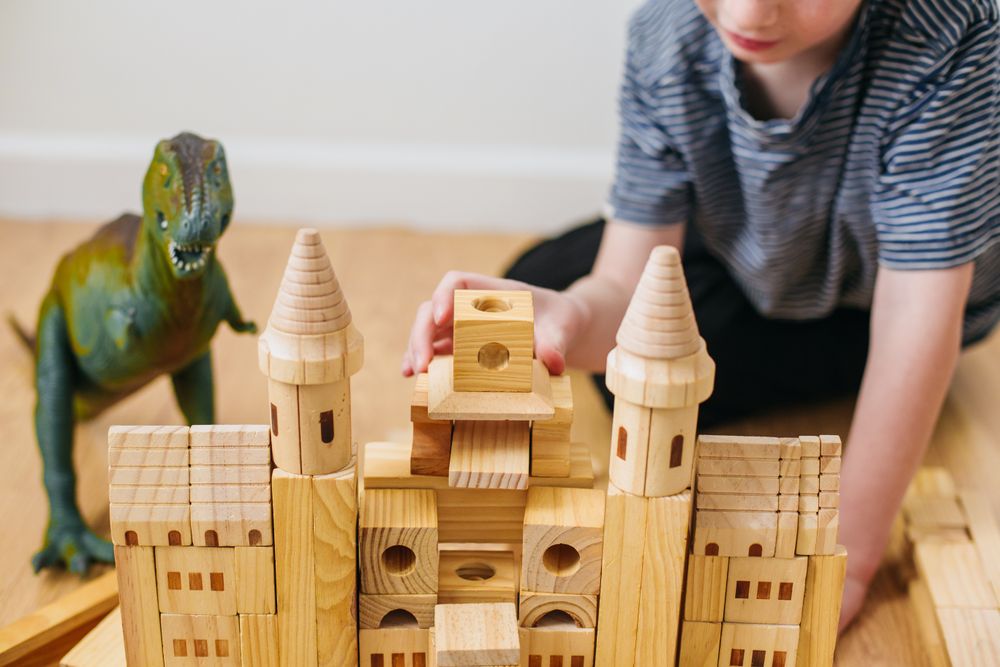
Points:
(781, 89)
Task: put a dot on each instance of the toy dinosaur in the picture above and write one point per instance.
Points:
(141, 298)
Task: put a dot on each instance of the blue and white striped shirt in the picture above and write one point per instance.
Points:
(894, 160)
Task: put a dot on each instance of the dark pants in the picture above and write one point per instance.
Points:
(760, 362)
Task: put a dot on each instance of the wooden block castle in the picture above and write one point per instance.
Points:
(481, 542)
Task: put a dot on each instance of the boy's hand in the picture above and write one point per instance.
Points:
(558, 319)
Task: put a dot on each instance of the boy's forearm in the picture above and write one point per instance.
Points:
(602, 296)
(914, 349)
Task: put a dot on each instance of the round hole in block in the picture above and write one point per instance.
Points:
(556, 619)
(494, 356)
(399, 560)
(491, 304)
(398, 618)
(475, 571)
(561, 560)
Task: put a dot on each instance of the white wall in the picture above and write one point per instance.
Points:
(445, 113)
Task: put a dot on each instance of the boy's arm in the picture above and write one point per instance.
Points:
(916, 335)
(603, 295)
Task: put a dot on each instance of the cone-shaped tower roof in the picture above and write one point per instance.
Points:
(659, 322)
(310, 300)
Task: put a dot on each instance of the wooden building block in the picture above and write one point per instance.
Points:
(147, 457)
(830, 445)
(196, 580)
(476, 576)
(738, 485)
(735, 533)
(399, 542)
(255, 580)
(621, 578)
(231, 524)
(476, 634)
(493, 340)
(790, 468)
(226, 474)
(652, 448)
(789, 486)
(809, 467)
(231, 456)
(149, 476)
(151, 525)
(751, 644)
(805, 540)
(829, 464)
(809, 484)
(231, 435)
(791, 448)
(630, 425)
(829, 482)
(664, 550)
(557, 644)
(700, 642)
(445, 402)
(810, 445)
(931, 639)
(581, 470)
(790, 503)
(972, 636)
(148, 436)
(731, 501)
(933, 512)
(259, 640)
(231, 493)
(955, 575)
(738, 447)
(705, 592)
(140, 611)
(550, 458)
(563, 534)
(431, 451)
(933, 481)
(821, 609)
(739, 467)
(294, 568)
(373, 609)
(828, 500)
(534, 607)
(101, 647)
(765, 590)
(150, 495)
(335, 520)
(395, 647)
(985, 534)
(490, 455)
(200, 640)
(827, 529)
(788, 533)
(489, 516)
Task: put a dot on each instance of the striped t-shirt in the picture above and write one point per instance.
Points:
(894, 160)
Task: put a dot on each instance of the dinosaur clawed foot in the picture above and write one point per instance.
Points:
(74, 547)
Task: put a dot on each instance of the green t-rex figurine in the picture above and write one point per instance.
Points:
(142, 297)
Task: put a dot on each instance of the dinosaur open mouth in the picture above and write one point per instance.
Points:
(189, 257)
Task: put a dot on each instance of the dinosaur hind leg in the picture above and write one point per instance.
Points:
(67, 538)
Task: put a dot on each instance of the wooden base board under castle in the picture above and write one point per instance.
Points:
(481, 542)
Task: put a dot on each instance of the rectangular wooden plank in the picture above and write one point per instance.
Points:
(490, 455)
(295, 568)
(139, 605)
(335, 513)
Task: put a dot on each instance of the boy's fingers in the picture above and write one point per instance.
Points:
(420, 348)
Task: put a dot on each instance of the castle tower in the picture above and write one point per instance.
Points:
(659, 373)
(308, 352)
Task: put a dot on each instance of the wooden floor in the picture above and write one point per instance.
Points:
(385, 274)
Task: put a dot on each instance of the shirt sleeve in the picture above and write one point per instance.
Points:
(937, 201)
(651, 183)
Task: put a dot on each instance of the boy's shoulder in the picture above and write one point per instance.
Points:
(670, 37)
(940, 26)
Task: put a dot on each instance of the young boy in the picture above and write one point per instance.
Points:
(830, 169)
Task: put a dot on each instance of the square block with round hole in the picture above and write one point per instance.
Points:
(493, 340)
(399, 542)
(563, 538)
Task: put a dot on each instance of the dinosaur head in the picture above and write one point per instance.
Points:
(187, 200)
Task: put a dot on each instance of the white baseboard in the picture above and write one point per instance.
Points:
(426, 186)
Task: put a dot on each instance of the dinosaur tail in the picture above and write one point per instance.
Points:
(22, 334)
